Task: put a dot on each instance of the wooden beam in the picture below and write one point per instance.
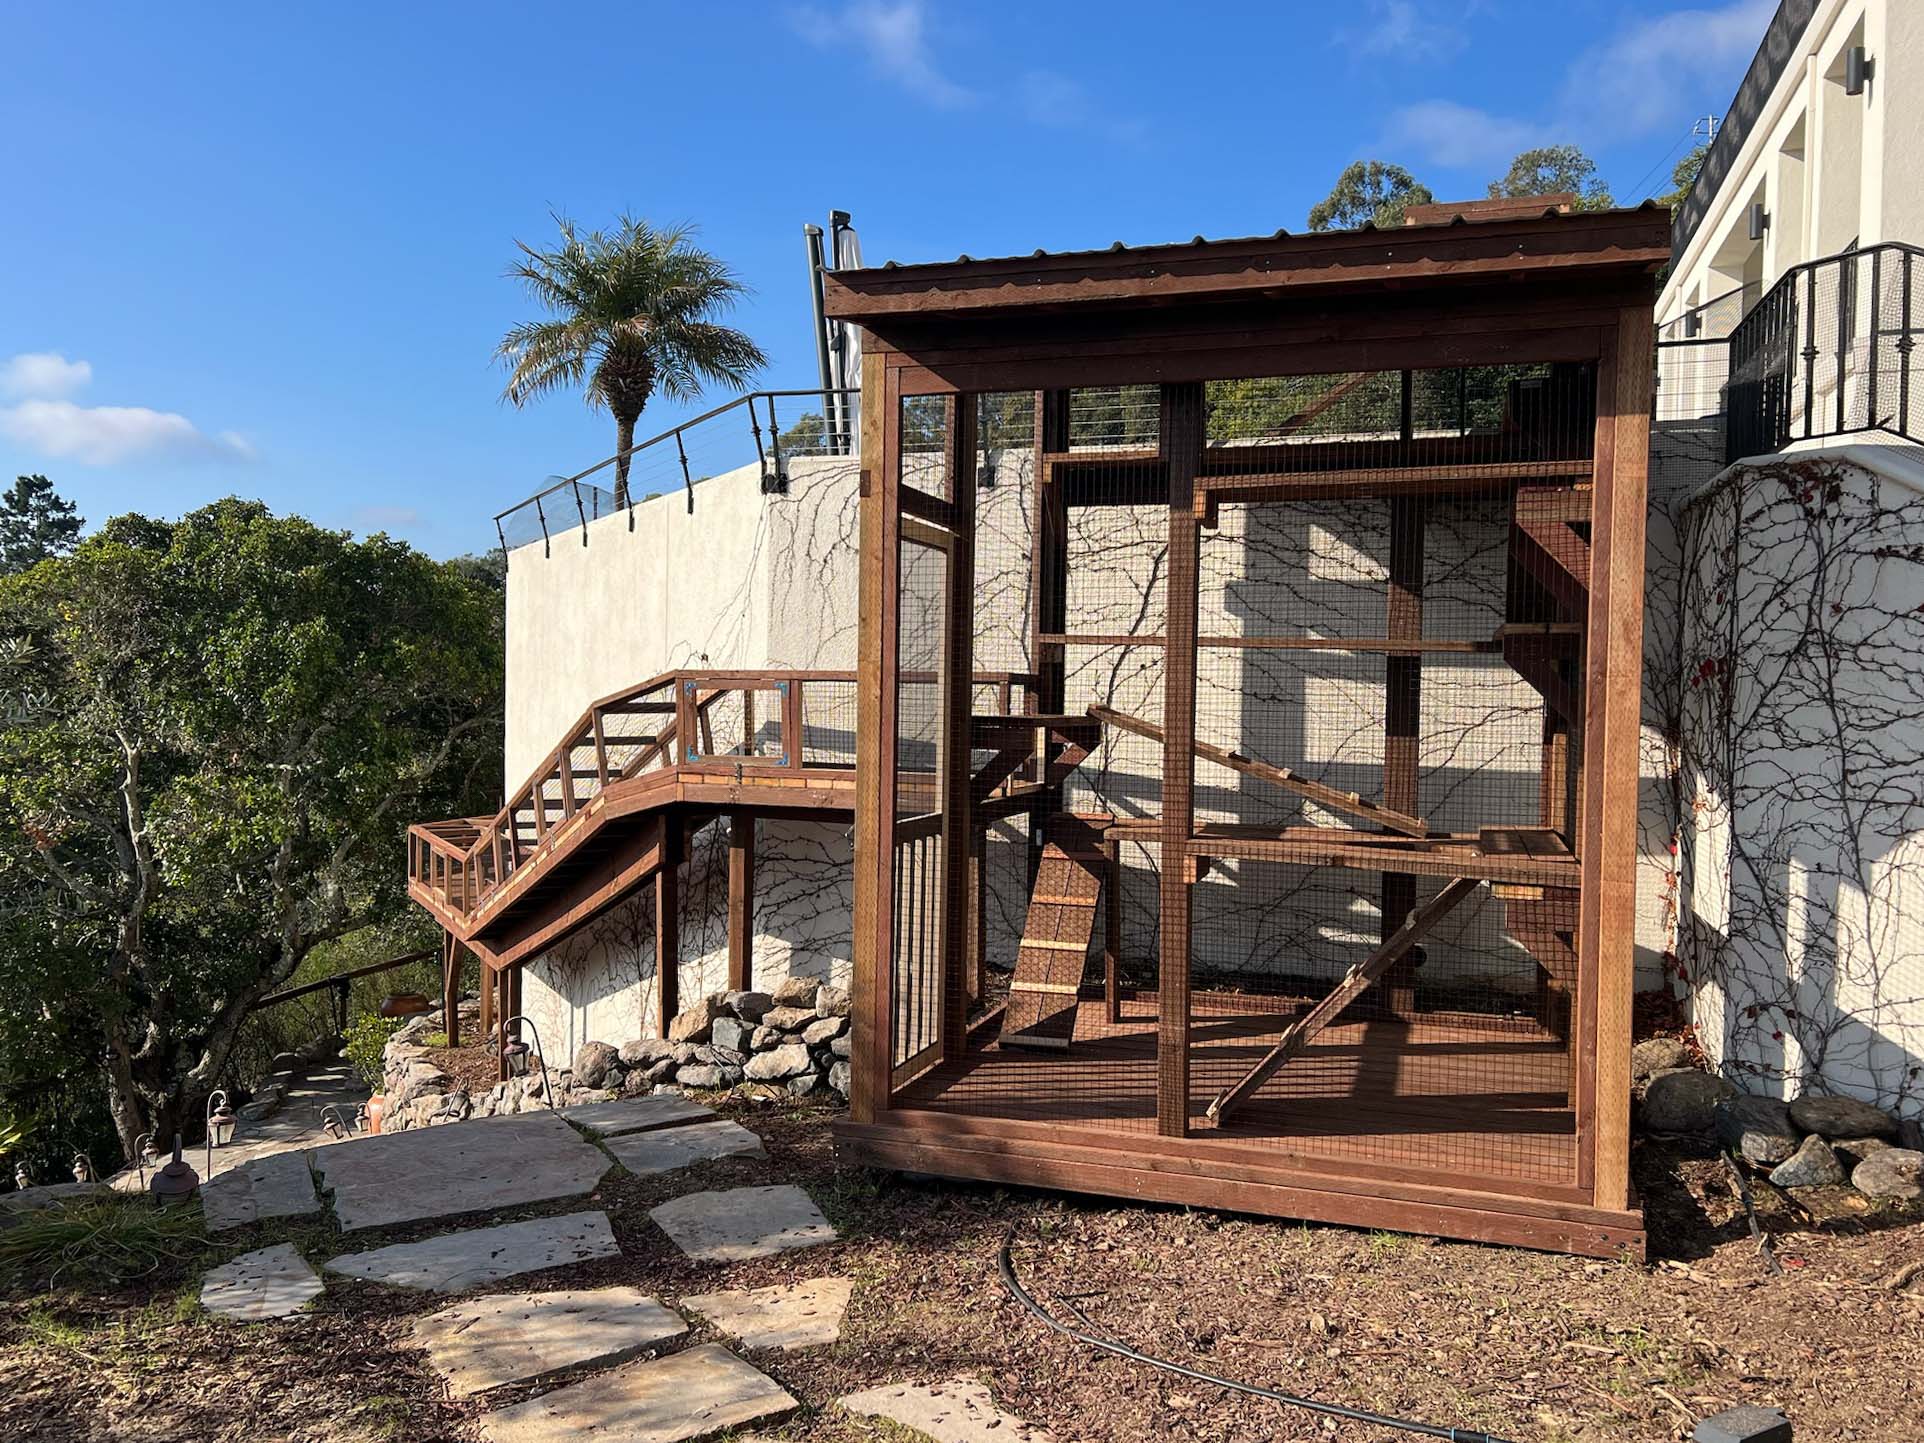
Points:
(1614, 691)
(451, 988)
(1181, 433)
(1356, 981)
(668, 926)
(958, 716)
(1277, 776)
(741, 900)
(1402, 712)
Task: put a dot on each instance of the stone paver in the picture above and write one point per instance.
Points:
(455, 1262)
(731, 1224)
(691, 1395)
(278, 1186)
(669, 1148)
(636, 1114)
(520, 1337)
(959, 1411)
(787, 1316)
(268, 1283)
(477, 1166)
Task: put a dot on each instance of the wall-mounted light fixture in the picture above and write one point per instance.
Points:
(1759, 220)
(1693, 324)
(1858, 69)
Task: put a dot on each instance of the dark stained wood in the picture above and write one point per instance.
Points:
(958, 717)
(741, 900)
(668, 927)
(1181, 431)
(1402, 714)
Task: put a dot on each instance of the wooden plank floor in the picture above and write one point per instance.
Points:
(1480, 1098)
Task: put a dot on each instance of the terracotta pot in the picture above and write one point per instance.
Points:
(376, 1105)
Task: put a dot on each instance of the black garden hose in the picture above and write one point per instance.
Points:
(1006, 1264)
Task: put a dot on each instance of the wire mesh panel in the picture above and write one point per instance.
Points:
(920, 844)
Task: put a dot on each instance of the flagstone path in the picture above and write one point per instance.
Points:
(505, 1338)
(743, 1222)
(788, 1316)
(277, 1186)
(475, 1257)
(268, 1283)
(670, 1148)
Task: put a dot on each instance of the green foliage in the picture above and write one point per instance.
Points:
(105, 1241)
(35, 523)
(1370, 192)
(243, 713)
(367, 1036)
(1683, 176)
(1555, 170)
(631, 312)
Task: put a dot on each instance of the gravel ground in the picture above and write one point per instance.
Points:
(1525, 1345)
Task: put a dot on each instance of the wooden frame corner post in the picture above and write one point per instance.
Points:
(877, 646)
(958, 708)
(1612, 722)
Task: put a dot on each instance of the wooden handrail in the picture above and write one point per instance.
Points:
(274, 999)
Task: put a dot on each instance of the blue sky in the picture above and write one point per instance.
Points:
(258, 250)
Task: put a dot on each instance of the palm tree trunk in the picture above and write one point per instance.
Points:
(624, 442)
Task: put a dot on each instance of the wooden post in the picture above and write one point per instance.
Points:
(1182, 440)
(486, 987)
(668, 923)
(451, 988)
(958, 710)
(1403, 682)
(875, 754)
(1048, 590)
(1112, 931)
(1612, 717)
(741, 900)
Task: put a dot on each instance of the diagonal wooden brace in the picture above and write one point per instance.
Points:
(1304, 1029)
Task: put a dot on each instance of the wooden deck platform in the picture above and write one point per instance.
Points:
(1486, 1096)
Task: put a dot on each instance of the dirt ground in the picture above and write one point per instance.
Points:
(1525, 1345)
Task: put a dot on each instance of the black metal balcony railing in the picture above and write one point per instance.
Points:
(1829, 351)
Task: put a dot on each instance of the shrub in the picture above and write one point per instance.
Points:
(367, 1038)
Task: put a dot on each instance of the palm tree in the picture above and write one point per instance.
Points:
(631, 313)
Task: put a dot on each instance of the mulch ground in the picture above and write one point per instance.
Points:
(1525, 1345)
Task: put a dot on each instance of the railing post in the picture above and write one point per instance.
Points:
(1870, 394)
(1904, 347)
(792, 722)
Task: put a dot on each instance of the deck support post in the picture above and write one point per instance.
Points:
(451, 988)
(741, 900)
(1048, 590)
(958, 710)
(1403, 685)
(485, 985)
(1612, 720)
(1181, 433)
(668, 923)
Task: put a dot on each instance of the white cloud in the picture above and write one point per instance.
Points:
(1401, 29)
(43, 373)
(1445, 133)
(1050, 98)
(895, 38)
(1626, 88)
(44, 420)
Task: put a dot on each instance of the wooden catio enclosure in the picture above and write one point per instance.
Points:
(1327, 553)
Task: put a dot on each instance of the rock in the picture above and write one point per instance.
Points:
(789, 1019)
(503, 1338)
(291, 1062)
(666, 1089)
(732, 1075)
(666, 1149)
(796, 992)
(765, 1038)
(645, 1051)
(805, 1084)
(958, 1411)
(420, 1080)
(1812, 1165)
(323, 1049)
(720, 1056)
(696, 1393)
(662, 1070)
(787, 1316)
(732, 1034)
(1758, 1128)
(613, 1119)
(1657, 1054)
(456, 1262)
(254, 1287)
(786, 1061)
(594, 1062)
(1746, 1423)
(1841, 1117)
(635, 1083)
(1853, 1150)
(685, 1052)
(827, 1030)
(832, 1001)
(1683, 1100)
(842, 1046)
(744, 1222)
(699, 1074)
(838, 1077)
(1896, 1173)
(693, 1024)
(750, 1007)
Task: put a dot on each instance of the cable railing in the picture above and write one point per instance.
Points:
(1829, 351)
(765, 428)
